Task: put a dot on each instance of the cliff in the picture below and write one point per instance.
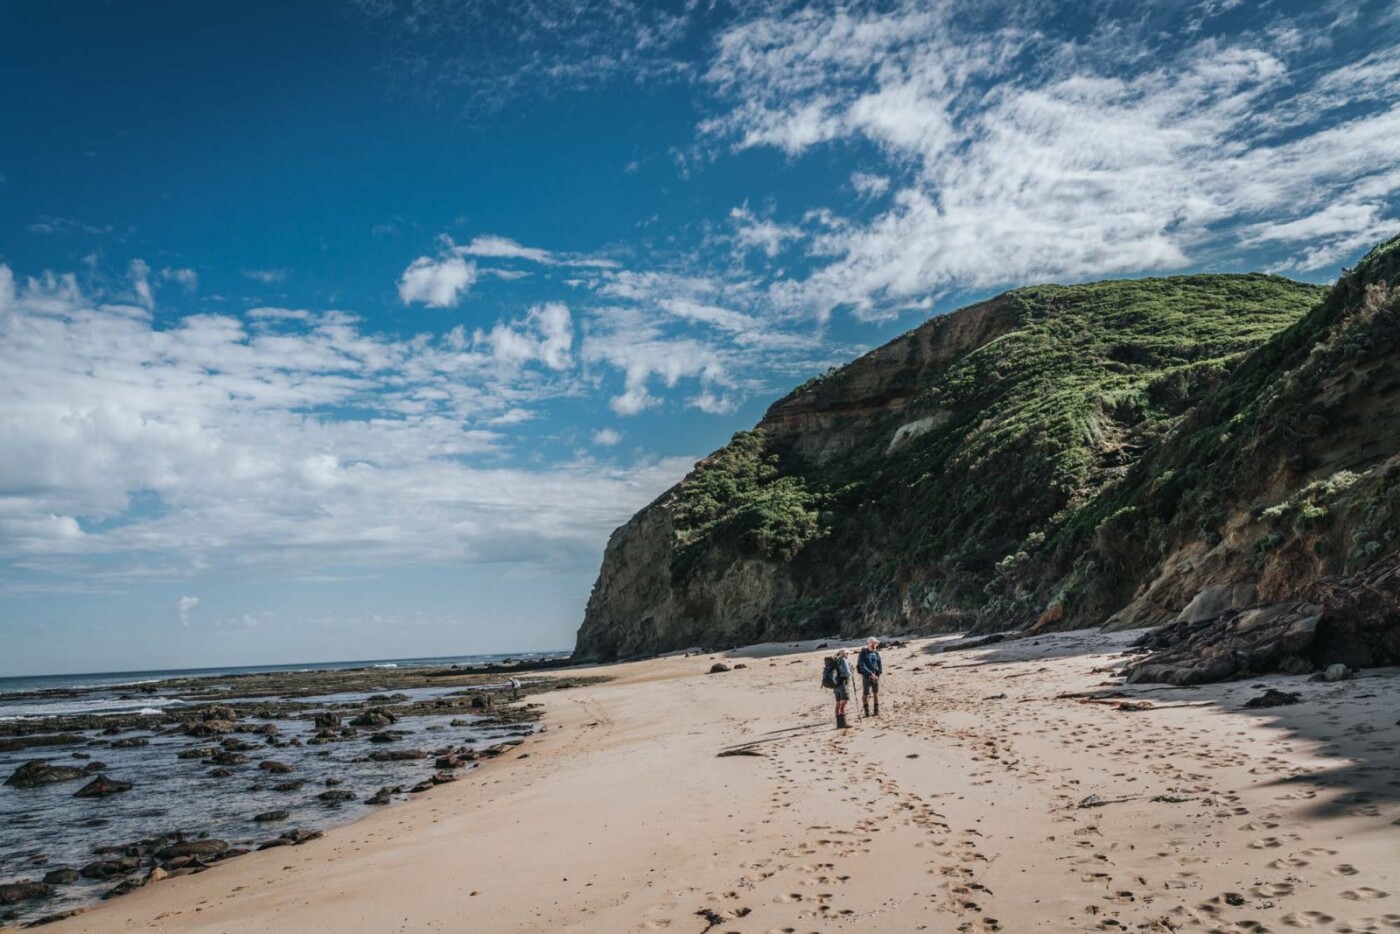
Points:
(1058, 456)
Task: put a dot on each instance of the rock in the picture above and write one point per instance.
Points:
(1214, 602)
(718, 667)
(199, 849)
(1273, 698)
(219, 712)
(449, 762)
(220, 773)
(15, 743)
(375, 717)
(1258, 640)
(269, 816)
(208, 728)
(388, 736)
(107, 868)
(292, 785)
(12, 893)
(292, 838)
(278, 768)
(228, 758)
(131, 742)
(201, 753)
(38, 772)
(94, 766)
(739, 666)
(234, 744)
(156, 875)
(481, 702)
(101, 787)
(63, 876)
(383, 795)
(125, 887)
(336, 796)
(396, 755)
(327, 721)
(332, 781)
(1337, 672)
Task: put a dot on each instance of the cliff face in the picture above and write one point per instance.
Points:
(1057, 456)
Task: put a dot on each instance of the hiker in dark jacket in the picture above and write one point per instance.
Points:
(843, 688)
(870, 668)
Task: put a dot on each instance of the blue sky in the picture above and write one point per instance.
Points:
(344, 332)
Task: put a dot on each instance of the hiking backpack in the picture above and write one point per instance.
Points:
(829, 673)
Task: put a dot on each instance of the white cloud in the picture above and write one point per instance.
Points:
(187, 278)
(545, 335)
(183, 607)
(607, 437)
(497, 247)
(437, 283)
(139, 453)
(267, 276)
(752, 232)
(1028, 158)
(139, 272)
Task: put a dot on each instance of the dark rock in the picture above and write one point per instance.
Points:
(268, 816)
(220, 773)
(199, 849)
(12, 893)
(234, 744)
(201, 753)
(228, 758)
(388, 736)
(63, 876)
(327, 721)
(1249, 642)
(15, 743)
(375, 717)
(218, 712)
(332, 781)
(292, 838)
(208, 728)
(292, 785)
(131, 742)
(1337, 672)
(718, 667)
(966, 644)
(384, 795)
(101, 787)
(396, 755)
(38, 772)
(107, 868)
(481, 702)
(336, 796)
(94, 766)
(279, 768)
(1273, 698)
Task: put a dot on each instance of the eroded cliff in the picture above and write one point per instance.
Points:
(1057, 456)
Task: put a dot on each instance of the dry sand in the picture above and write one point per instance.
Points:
(966, 807)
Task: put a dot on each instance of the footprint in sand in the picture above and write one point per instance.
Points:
(1365, 894)
(1307, 919)
(1272, 890)
(1345, 869)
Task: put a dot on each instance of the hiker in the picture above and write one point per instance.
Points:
(870, 668)
(837, 675)
(514, 685)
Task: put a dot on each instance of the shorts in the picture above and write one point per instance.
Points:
(843, 692)
(869, 685)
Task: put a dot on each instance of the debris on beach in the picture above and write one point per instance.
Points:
(1273, 698)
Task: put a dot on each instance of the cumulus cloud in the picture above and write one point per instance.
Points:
(1027, 154)
(137, 452)
(187, 278)
(606, 437)
(437, 283)
(183, 607)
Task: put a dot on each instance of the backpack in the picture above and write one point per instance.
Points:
(829, 675)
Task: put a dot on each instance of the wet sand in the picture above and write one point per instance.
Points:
(983, 799)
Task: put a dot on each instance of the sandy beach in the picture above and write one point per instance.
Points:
(992, 795)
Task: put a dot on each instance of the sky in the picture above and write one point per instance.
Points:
(352, 331)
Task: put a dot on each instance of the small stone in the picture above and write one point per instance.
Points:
(1337, 672)
(718, 667)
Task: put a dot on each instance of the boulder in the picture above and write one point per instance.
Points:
(38, 772)
(101, 787)
(375, 717)
(220, 773)
(199, 849)
(279, 768)
(384, 795)
(200, 753)
(269, 816)
(12, 893)
(219, 712)
(107, 868)
(327, 721)
(336, 796)
(397, 755)
(62, 876)
(228, 758)
(291, 838)
(209, 728)
(292, 785)
(131, 742)
(94, 766)
(1273, 638)
(718, 667)
(1337, 672)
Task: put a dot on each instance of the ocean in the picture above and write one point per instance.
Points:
(268, 773)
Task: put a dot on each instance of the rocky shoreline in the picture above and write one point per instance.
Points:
(210, 777)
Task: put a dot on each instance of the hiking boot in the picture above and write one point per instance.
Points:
(865, 710)
(877, 710)
(841, 723)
